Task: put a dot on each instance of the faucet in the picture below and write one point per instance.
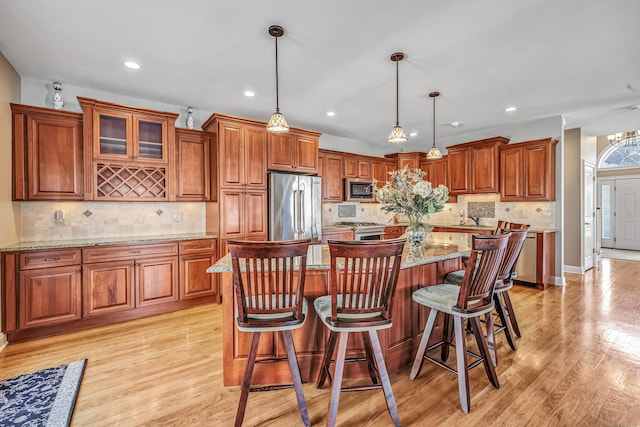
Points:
(475, 219)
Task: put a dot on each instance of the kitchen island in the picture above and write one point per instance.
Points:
(442, 254)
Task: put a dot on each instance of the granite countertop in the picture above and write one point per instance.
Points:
(437, 247)
(104, 241)
(468, 227)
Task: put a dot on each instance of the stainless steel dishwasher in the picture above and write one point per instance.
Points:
(527, 265)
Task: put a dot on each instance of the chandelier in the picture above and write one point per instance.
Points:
(625, 139)
(277, 124)
(397, 135)
(434, 152)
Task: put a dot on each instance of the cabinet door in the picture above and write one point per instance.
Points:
(427, 167)
(281, 151)
(364, 168)
(439, 173)
(511, 174)
(256, 215)
(484, 170)
(157, 281)
(194, 279)
(231, 214)
(458, 167)
(255, 157)
(112, 132)
(54, 158)
(107, 287)
(307, 154)
(231, 150)
(350, 167)
(332, 181)
(49, 296)
(193, 166)
(539, 182)
(149, 139)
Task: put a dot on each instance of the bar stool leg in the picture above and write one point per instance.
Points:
(461, 359)
(447, 337)
(295, 374)
(326, 360)
(384, 377)
(419, 360)
(371, 366)
(246, 380)
(337, 380)
(505, 319)
(512, 314)
(484, 352)
(491, 337)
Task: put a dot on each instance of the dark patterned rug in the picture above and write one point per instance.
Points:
(43, 398)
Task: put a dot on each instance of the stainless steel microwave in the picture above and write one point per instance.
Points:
(358, 190)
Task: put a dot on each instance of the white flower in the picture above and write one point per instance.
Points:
(423, 189)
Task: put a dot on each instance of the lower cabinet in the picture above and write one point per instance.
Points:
(337, 234)
(50, 292)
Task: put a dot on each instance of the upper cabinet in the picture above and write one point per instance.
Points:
(410, 159)
(47, 154)
(129, 150)
(527, 171)
(294, 151)
(331, 170)
(195, 155)
(473, 167)
(242, 151)
(357, 167)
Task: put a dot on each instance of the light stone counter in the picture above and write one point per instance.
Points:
(437, 247)
(57, 244)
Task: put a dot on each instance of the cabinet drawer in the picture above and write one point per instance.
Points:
(197, 246)
(52, 258)
(114, 253)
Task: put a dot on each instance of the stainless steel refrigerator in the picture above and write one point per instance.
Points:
(295, 207)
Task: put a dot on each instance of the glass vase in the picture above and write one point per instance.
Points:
(415, 238)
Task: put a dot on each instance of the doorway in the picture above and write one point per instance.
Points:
(589, 215)
(619, 201)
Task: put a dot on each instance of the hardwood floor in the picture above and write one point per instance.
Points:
(577, 363)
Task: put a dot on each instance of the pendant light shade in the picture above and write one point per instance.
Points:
(397, 135)
(434, 152)
(277, 124)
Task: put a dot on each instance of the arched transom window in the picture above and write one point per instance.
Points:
(620, 157)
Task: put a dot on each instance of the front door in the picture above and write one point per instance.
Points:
(589, 212)
(628, 214)
(606, 200)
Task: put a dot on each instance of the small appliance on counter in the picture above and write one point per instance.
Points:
(295, 207)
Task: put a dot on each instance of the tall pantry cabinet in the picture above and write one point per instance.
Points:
(242, 178)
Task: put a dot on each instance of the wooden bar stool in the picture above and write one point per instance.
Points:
(502, 225)
(467, 302)
(269, 298)
(362, 285)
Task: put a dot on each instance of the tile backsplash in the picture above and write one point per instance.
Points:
(102, 219)
(487, 207)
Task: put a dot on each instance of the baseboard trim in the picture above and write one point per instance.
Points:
(557, 280)
(575, 269)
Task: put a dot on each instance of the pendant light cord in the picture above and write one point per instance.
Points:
(397, 97)
(434, 121)
(277, 91)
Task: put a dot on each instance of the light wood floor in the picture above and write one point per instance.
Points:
(578, 363)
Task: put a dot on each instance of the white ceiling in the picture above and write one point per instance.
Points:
(577, 58)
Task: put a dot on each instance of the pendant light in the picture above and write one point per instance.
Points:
(277, 124)
(397, 135)
(434, 152)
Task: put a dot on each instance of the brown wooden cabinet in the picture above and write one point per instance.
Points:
(357, 167)
(527, 171)
(381, 170)
(337, 234)
(47, 154)
(128, 152)
(394, 231)
(49, 289)
(410, 159)
(194, 163)
(245, 215)
(294, 151)
(473, 166)
(331, 170)
(52, 291)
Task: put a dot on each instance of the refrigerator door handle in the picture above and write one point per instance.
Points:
(295, 212)
(302, 211)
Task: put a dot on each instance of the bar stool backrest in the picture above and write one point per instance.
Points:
(514, 246)
(268, 279)
(363, 281)
(502, 225)
(476, 289)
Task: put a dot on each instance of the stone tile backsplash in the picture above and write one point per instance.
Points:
(102, 219)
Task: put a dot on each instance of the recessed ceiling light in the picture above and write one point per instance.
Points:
(455, 124)
(331, 113)
(510, 109)
(132, 65)
(413, 134)
(249, 94)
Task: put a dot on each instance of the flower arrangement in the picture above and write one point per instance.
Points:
(407, 193)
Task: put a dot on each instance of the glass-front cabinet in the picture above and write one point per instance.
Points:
(131, 149)
(127, 136)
